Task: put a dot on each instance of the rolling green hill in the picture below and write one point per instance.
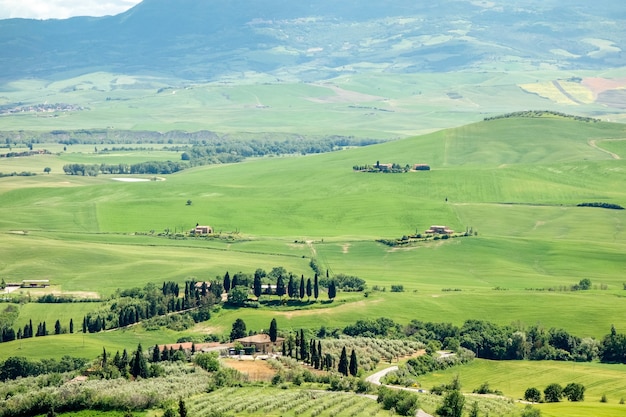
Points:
(514, 181)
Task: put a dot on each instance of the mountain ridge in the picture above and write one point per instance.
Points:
(315, 40)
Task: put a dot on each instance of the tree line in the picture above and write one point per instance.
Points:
(491, 341)
(149, 168)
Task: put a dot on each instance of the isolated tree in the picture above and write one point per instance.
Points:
(533, 395)
(302, 288)
(354, 364)
(257, 286)
(71, 326)
(84, 324)
(273, 331)
(227, 282)
(342, 367)
(452, 405)
(553, 393)
(57, 327)
(574, 392)
(239, 330)
(316, 287)
(189, 202)
(47, 170)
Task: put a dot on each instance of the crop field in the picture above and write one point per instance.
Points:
(369, 105)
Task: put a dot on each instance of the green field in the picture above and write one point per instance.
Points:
(514, 377)
(516, 182)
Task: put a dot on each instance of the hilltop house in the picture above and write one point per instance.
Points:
(439, 230)
(202, 230)
(262, 343)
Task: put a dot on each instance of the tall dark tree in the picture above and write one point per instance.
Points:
(239, 330)
(319, 354)
(302, 288)
(57, 327)
(314, 356)
(71, 326)
(304, 351)
(258, 288)
(332, 290)
(139, 367)
(182, 408)
(309, 288)
(316, 287)
(227, 282)
(291, 287)
(84, 324)
(354, 364)
(342, 367)
(280, 286)
(156, 354)
(273, 331)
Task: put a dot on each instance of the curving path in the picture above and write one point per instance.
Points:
(375, 379)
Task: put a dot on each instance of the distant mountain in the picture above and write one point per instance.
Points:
(316, 39)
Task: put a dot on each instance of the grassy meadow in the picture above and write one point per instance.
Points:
(515, 182)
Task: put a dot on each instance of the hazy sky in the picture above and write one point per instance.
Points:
(61, 9)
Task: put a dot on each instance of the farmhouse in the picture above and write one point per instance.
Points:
(35, 283)
(262, 343)
(202, 230)
(439, 230)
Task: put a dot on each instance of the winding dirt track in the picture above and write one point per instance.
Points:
(593, 144)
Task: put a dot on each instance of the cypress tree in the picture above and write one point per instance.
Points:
(303, 347)
(290, 287)
(343, 362)
(280, 286)
(165, 355)
(316, 287)
(117, 360)
(71, 326)
(319, 354)
(273, 331)
(182, 408)
(354, 364)
(125, 360)
(139, 368)
(309, 289)
(332, 291)
(57, 327)
(297, 344)
(104, 358)
(227, 282)
(313, 349)
(257, 286)
(156, 354)
(302, 287)
(193, 348)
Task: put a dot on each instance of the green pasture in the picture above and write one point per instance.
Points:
(514, 377)
(515, 182)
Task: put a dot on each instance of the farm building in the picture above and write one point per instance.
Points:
(439, 230)
(35, 283)
(202, 230)
(262, 343)
(421, 167)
